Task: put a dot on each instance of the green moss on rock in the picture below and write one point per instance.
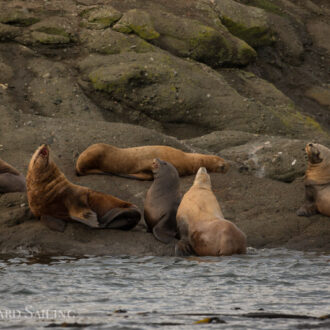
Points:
(139, 22)
(112, 42)
(17, 17)
(54, 31)
(266, 5)
(49, 39)
(100, 17)
(255, 36)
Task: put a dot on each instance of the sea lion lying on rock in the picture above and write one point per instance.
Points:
(203, 229)
(162, 201)
(56, 200)
(317, 181)
(10, 179)
(137, 162)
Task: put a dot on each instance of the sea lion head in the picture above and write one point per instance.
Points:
(202, 178)
(317, 153)
(318, 170)
(40, 159)
(161, 168)
(216, 164)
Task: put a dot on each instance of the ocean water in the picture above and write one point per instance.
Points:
(238, 292)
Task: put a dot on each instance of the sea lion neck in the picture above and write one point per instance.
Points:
(318, 173)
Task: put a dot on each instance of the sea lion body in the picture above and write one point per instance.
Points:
(137, 162)
(10, 179)
(52, 196)
(317, 181)
(201, 223)
(162, 201)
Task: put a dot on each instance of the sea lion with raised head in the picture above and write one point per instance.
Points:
(317, 181)
(202, 226)
(56, 200)
(162, 201)
(10, 179)
(136, 162)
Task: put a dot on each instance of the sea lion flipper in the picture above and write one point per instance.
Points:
(183, 249)
(165, 230)
(142, 176)
(87, 217)
(53, 223)
(120, 218)
(307, 210)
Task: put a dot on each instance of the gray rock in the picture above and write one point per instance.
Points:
(168, 89)
(100, 17)
(272, 157)
(112, 42)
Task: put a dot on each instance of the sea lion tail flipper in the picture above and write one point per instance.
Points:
(307, 210)
(120, 218)
(53, 223)
(183, 249)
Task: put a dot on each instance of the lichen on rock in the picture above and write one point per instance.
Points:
(17, 16)
(112, 42)
(100, 17)
(138, 22)
(245, 22)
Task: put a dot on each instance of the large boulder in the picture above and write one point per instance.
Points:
(168, 89)
(100, 17)
(186, 37)
(112, 42)
(245, 22)
(272, 157)
(53, 30)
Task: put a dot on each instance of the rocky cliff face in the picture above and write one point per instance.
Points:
(248, 80)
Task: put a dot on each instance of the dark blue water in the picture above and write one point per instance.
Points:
(166, 292)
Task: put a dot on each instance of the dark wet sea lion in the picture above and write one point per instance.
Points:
(162, 201)
(137, 162)
(10, 179)
(55, 199)
(202, 226)
(317, 181)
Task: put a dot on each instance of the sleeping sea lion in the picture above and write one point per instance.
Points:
(202, 226)
(10, 179)
(56, 200)
(137, 162)
(162, 201)
(317, 181)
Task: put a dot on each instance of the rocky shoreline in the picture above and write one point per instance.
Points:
(245, 80)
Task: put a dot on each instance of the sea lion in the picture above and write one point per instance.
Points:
(137, 162)
(10, 179)
(162, 201)
(56, 200)
(202, 226)
(317, 181)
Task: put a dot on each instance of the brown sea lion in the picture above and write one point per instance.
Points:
(202, 226)
(56, 200)
(137, 162)
(317, 181)
(162, 201)
(10, 179)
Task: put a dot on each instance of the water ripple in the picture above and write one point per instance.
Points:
(152, 292)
